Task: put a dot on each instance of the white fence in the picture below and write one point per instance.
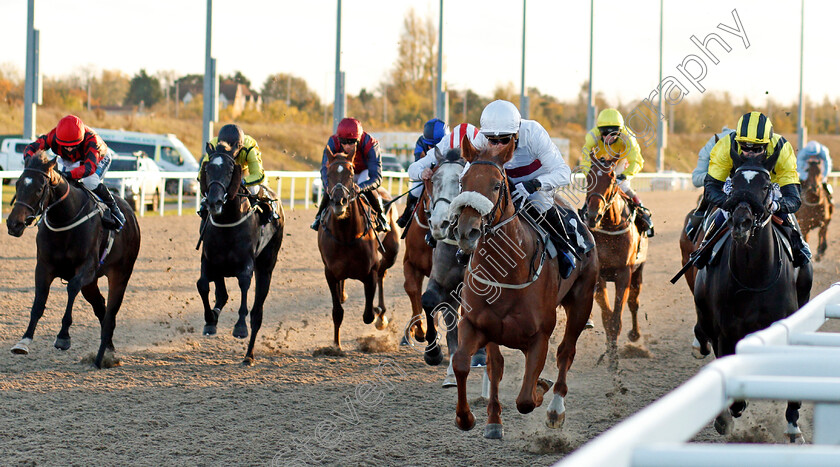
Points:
(787, 361)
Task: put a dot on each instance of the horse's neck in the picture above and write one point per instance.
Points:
(757, 260)
(69, 207)
(513, 244)
(616, 209)
(353, 225)
(233, 210)
(811, 189)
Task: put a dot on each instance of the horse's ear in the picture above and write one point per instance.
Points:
(52, 163)
(438, 155)
(507, 153)
(235, 181)
(209, 149)
(468, 151)
(330, 154)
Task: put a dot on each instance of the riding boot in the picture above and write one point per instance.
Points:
(379, 209)
(410, 203)
(553, 224)
(203, 212)
(700, 255)
(643, 220)
(696, 218)
(801, 250)
(325, 200)
(102, 191)
(829, 191)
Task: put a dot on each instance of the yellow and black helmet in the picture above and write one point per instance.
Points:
(610, 118)
(754, 127)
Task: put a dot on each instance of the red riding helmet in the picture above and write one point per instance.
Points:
(349, 128)
(70, 131)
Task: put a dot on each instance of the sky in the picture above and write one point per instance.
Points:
(482, 42)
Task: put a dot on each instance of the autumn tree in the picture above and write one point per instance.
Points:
(291, 89)
(144, 88)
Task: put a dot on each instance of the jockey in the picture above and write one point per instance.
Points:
(698, 178)
(815, 149)
(754, 137)
(611, 139)
(422, 169)
(535, 171)
(352, 140)
(247, 154)
(82, 156)
(433, 132)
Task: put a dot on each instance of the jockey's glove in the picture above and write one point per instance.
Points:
(621, 177)
(531, 186)
(774, 206)
(520, 193)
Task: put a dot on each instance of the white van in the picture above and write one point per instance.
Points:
(167, 151)
(11, 153)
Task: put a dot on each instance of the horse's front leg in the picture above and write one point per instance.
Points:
(211, 315)
(469, 341)
(336, 291)
(370, 293)
(823, 236)
(633, 302)
(85, 275)
(413, 285)
(381, 321)
(240, 329)
(792, 431)
(613, 326)
(495, 370)
(43, 278)
(529, 397)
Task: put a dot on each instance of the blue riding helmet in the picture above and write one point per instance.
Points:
(433, 131)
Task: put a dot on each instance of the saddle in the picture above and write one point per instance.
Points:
(108, 220)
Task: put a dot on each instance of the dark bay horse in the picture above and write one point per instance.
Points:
(235, 245)
(816, 209)
(73, 245)
(622, 251)
(514, 305)
(350, 247)
(417, 264)
(689, 244)
(752, 282)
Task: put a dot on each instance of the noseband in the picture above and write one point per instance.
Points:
(764, 217)
(487, 225)
(41, 211)
(351, 194)
(232, 161)
(437, 199)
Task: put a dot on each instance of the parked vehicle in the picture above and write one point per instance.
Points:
(389, 164)
(11, 155)
(167, 151)
(128, 176)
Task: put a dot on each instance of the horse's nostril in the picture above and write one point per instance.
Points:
(473, 235)
(444, 225)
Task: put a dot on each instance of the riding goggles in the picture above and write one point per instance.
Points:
(494, 140)
(347, 141)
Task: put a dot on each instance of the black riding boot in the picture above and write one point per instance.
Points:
(325, 200)
(102, 191)
(702, 256)
(553, 224)
(643, 221)
(696, 218)
(829, 192)
(203, 212)
(801, 250)
(410, 203)
(379, 209)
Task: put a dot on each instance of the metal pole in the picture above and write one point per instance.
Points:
(30, 86)
(801, 62)
(208, 76)
(524, 106)
(338, 111)
(440, 109)
(660, 158)
(590, 109)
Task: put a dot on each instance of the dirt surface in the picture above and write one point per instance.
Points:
(180, 398)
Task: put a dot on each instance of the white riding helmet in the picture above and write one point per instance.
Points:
(813, 148)
(500, 118)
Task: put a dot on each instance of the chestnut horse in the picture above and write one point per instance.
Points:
(511, 292)
(816, 208)
(417, 264)
(622, 250)
(73, 245)
(350, 247)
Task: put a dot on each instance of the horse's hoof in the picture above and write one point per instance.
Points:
(544, 385)
(419, 334)
(404, 342)
(22, 347)
(724, 423)
(589, 324)
(367, 317)
(433, 356)
(449, 382)
(209, 330)
(248, 361)
(240, 332)
(633, 335)
(696, 350)
(381, 321)
(555, 420)
(465, 423)
(494, 431)
(62, 343)
(478, 360)
(526, 407)
(343, 297)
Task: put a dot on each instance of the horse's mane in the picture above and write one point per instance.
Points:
(738, 196)
(224, 146)
(452, 155)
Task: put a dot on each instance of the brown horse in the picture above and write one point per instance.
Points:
(816, 208)
(622, 250)
(349, 245)
(417, 264)
(689, 244)
(511, 292)
(73, 245)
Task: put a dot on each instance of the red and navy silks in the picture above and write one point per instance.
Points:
(367, 157)
(90, 152)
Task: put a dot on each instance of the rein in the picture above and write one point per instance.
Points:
(607, 204)
(41, 211)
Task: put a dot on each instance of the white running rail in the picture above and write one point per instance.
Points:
(787, 361)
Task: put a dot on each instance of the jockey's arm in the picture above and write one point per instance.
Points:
(328, 149)
(633, 155)
(698, 176)
(417, 168)
(89, 162)
(787, 178)
(559, 174)
(253, 158)
(34, 147)
(827, 161)
(590, 143)
(720, 164)
(374, 167)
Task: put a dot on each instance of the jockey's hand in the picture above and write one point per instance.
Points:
(426, 174)
(774, 206)
(531, 186)
(621, 177)
(520, 193)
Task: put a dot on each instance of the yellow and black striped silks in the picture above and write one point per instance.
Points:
(754, 127)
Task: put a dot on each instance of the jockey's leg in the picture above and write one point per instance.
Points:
(267, 204)
(829, 191)
(643, 220)
(93, 182)
(696, 218)
(700, 253)
(375, 202)
(541, 209)
(801, 250)
(411, 202)
(325, 201)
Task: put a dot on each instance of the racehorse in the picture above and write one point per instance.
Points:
(417, 264)
(751, 282)
(514, 305)
(689, 244)
(235, 245)
(350, 247)
(816, 208)
(622, 250)
(73, 245)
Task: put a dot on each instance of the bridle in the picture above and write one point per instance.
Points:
(40, 210)
(225, 188)
(613, 186)
(351, 194)
(437, 199)
(487, 226)
(761, 220)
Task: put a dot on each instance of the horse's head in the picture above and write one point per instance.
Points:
(341, 185)
(221, 175)
(601, 188)
(749, 201)
(445, 186)
(32, 192)
(814, 172)
(485, 196)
